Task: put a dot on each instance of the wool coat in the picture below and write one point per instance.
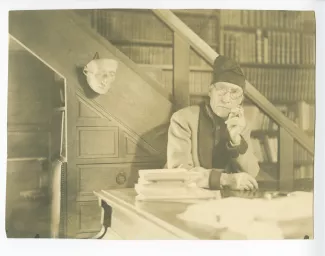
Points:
(199, 139)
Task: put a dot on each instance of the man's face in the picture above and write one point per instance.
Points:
(224, 97)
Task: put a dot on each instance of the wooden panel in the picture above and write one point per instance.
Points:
(131, 147)
(27, 144)
(109, 176)
(25, 63)
(28, 90)
(97, 142)
(135, 147)
(27, 112)
(28, 127)
(85, 111)
(30, 81)
(89, 216)
(89, 116)
(23, 175)
(27, 218)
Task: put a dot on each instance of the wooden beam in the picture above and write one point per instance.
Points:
(209, 55)
(286, 171)
(181, 73)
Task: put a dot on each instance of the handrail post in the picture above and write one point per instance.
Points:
(286, 168)
(181, 72)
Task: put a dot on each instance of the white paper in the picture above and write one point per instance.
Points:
(239, 213)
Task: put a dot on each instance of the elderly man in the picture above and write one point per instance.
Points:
(214, 138)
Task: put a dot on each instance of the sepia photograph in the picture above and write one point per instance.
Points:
(161, 124)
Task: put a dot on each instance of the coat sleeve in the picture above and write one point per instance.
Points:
(244, 159)
(179, 152)
(179, 143)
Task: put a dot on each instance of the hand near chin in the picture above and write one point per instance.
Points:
(236, 123)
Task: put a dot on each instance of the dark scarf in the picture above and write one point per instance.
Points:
(212, 139)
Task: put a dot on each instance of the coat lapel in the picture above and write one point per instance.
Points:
(205, 138)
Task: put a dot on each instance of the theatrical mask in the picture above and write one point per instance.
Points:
(100, 74)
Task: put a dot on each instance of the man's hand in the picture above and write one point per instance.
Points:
(238, 181)
(236, 123)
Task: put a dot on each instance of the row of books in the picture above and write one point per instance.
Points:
(285, 47)
(240, 46)
(157, 55)
(283, 84)
(275, 48)
(258, 120)
(308, 49)
(304, 172)
(266, 150)
(306, 116)
(270, 47)
(198, 61)
(148, 54)
(289, 112)
(301, 155)
(266, 18)
(244, 47)
(128, 25)
(205, 28)
(302, 113)
(200, 81)
(167, 79)
(275, 84)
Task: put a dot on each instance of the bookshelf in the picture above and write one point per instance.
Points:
(276, 50)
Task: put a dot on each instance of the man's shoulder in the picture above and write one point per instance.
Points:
(187, 112)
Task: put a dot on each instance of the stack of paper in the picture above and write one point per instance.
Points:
(242, 215)
(170, 185)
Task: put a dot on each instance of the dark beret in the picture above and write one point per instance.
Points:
(227, 70)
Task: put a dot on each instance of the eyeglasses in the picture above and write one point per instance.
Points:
(235, 93)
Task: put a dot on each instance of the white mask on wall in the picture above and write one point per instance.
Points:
(100, 74)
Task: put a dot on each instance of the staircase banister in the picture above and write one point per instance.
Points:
(81, 21)
(209, 55)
